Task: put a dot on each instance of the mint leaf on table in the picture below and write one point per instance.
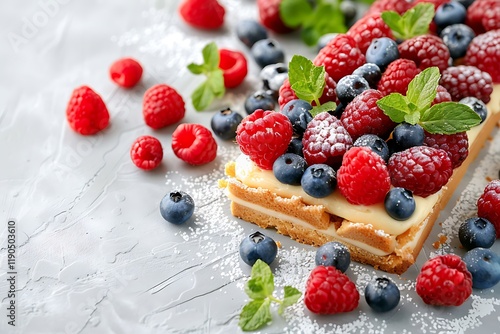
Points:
(449, 118)
(213, 86)
(414, 22)
(260, 287)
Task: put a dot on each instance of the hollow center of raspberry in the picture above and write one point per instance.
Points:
(227, 62)
(186, 140)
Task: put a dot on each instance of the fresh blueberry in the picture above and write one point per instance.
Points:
(382, 295)
(319, 180)
(477, 232)
(477, 105)
(267, 51)
(289, 168)
(299, 113)
(258, 246)
(457, 38)
(225, 122)
(465, 3)
(393, 147)
(177, 207)
(259, 100)
(250, 31)
(350, 10)
(399, 203)
(273, 76)
(408, 135)
(382, 51)
(333, 254)
(349, 87)
(296, 146)
(484, 265)
(324, 40)
(377, 145)
(339, 109)
(449, 13)
(370, 72)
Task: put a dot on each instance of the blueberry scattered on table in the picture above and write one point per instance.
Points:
(477, 232)
(382, 295)
(484, 265)
(177, 207)
(258, 246)
(333, 254)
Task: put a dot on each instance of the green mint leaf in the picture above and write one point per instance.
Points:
(449, 118)
(196, 68)
(295, 12)
(290, 297)
(306, 79)
(202, 96)
(423, 88)
(326, 107)
(413, 22)
(412, 118)
(395, 22)
(395, 106)
(263, 274)
(215, 80)
(255, 315)
(211, 56)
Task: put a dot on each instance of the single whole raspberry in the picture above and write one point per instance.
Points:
(146, 152)
(329, 291)
(264, 136)
(234, 67)
(456, 145)
(477, 11)
(126, 72)
(397, 76)
(399, 6)
(325, 141)
(363, 178)
(269, 15)
(341, 56)
(194, 144)
(444, 281)
(162, 106)
(203, 14)
(488, 204)
(368, 28)
(491, 18)
(484, 53)
(442, 95)
(286, 93)
(86, 112)
(426, 51)
(421, 169)
(462, 81)
(363, 116)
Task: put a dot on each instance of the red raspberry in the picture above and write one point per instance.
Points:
(286, 93)
(397, 76)
(325, 141)
(146, 152)
(269, 14)
(340, 57)
(86, 112)
(126, 72)
(462, 81)
(162, 106)
(362, 116)
(484, 53)
(442, 95)
(329, 291)
(203, 14)
(477, 11)
(399, 6)
(456, 145)
(426, 51)
(444, 281)
(194, 144)
(420, 169)
(367, 29)
(363, 178)
(488, 204)
(491, 18)
(264, 136)
(234, 67)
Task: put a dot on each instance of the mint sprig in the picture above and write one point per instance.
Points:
(415, 107)
(213, 86)
(308, 82)
(414, 22)
(260, 288)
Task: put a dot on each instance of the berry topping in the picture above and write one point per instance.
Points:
(399, 203)
(370, 72)
(422, 170)
(333, 254)
(397, 76)
(462, 81)
(449, 13)
(296, 146)
(488, 204)
(162, 106)
(126, 72)
(86, 112)
(477, 105)
(398, 6)
(484, 53)
(267, 51)
(225, 122)
(375, 143)
(202, 14)
(299, 114)
(319, 180)
(408, 135)
(329, 291)
(286, 94)
(234, 67)
(484, 266)
(264, 136)
(382, 51)
(325, 140)
(177, 207)
(457, 38)
(259, 100)
(269, 14)
(273, 76)
(250, 31)
(477, 11)
(382, 295)
(368, 28)
(349, 87)
(456, 145)
(146, 152)
(477, 232)
(363, 178)
(194, 144)
(442, 95)
(289, 168)
(258, 246)
(426, 51)
(444, 281)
